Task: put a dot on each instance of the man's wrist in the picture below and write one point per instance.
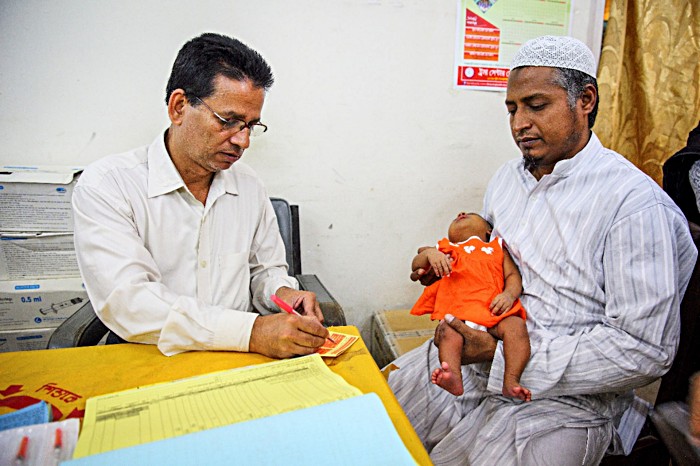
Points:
(285, 293)
(490, 352)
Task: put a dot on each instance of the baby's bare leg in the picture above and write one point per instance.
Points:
(449, 374)
(516, 351)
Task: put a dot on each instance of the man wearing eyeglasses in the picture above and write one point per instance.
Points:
(177, 242)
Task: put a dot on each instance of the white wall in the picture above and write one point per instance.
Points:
(366, 134)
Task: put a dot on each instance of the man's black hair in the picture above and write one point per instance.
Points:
(574, 82)
(203, 58)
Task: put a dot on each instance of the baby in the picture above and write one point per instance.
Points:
(480, 284)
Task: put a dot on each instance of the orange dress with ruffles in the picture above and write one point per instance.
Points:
(476, 278)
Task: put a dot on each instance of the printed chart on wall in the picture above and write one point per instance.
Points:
(489, 33)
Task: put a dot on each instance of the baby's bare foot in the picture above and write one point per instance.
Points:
(449, 380)
(516, 391)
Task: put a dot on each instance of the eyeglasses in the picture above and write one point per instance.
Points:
(236, 124)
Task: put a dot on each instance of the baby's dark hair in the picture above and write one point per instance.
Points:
(488, 233)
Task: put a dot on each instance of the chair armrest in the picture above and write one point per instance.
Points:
(333, 314)
(671, 420)
(648, 450)
(83, 328)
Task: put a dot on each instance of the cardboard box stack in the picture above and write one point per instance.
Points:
(40, 283)
(396, 331)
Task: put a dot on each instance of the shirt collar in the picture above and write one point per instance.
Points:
(223, 183)
(228, 179)
(564, 168)
(164, 178)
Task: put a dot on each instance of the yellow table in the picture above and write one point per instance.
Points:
(65, 378)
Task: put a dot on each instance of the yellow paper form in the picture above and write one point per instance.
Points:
(169, 409)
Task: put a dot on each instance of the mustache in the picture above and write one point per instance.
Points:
(235, 150)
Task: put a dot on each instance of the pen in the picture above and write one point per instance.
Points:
(284, 306)
(288, 309)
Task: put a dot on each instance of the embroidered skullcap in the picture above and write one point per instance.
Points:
(556, 52)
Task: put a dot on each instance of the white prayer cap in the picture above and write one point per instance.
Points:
(556, 52)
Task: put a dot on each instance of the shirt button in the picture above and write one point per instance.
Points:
(203, 264)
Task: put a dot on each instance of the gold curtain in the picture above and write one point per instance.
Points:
(649, 80)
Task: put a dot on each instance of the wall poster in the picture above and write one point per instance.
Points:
(489, 33)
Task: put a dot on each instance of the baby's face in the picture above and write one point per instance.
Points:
(467, 225)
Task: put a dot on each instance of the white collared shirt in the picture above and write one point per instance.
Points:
(160, 267)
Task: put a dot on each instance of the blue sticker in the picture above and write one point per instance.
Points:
(27, 287)
(29, 337)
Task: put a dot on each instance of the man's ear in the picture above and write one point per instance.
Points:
(589, 96)
(176, 106)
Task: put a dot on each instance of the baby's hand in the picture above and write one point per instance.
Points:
(502, 303)
(439, 262)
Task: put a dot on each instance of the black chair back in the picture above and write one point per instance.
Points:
(288, 221)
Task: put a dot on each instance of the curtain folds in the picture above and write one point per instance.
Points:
(649, 80)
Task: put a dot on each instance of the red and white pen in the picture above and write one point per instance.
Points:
(288, 309)
(284, 306)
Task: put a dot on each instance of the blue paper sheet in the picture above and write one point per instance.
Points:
(353, 431)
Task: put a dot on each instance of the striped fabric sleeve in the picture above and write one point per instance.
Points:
(635, 340)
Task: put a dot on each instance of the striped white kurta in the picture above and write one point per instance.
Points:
(605, 257)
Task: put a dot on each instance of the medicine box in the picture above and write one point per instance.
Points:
(37, 255)
(37, 198)
(26, 304)
(24, 340)
(396, 331)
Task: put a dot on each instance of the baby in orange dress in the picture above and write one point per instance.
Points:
(480, 284)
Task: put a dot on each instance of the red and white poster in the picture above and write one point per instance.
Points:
(489, 32)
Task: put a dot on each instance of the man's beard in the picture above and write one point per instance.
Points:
(530, 162)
